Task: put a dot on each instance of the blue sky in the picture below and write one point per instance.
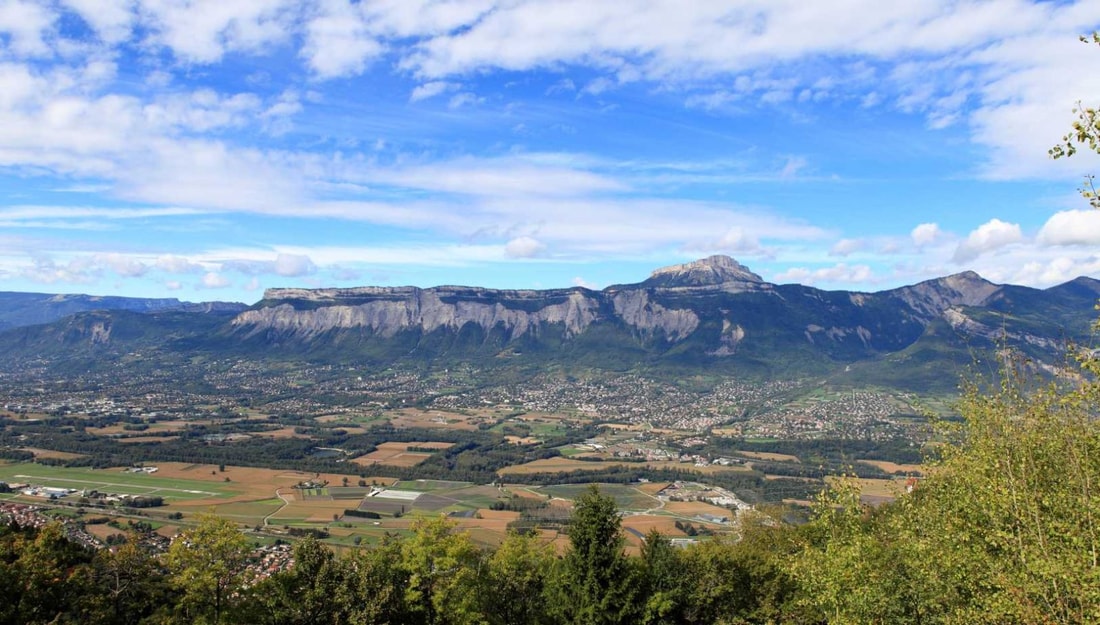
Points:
(209, 150)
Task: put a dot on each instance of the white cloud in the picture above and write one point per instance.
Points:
(123, 265)
(214, 280)
(460, 100)
(506, 176)
(736, 240)
(926, 234)
(431, 89)
(111, 20)
(581, 282)
(338, 42)
(47, 271)
(1073, 227)
(523, 247)
(203, 31)
(173, 285)
(837, 274)
(176, 264)
(846, 247)
(26, 24)
(989, 236)
(293, 265)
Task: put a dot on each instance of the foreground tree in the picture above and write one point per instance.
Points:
(303, 595)
(208, 568)
(374, 587)
(128, 586)
(596, 580)
(519, 577)
(43, 576)
(443, 566)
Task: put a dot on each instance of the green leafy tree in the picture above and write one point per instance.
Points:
(596, 580)
(128, 585)
(519, 574)
(46, 577)
(304, 594)
(374, 587)
(663, 574)
(207, 563)
(443, 568)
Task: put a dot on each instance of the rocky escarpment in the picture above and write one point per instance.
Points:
(392, 311)
(713, 315)
(716, 302)
(386, 312)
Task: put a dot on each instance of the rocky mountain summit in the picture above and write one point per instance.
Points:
(707, 272)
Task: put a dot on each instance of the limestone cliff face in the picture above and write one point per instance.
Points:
(307, 313)
(722, 306)
(635, 308)
(731, 337)
(387, 312)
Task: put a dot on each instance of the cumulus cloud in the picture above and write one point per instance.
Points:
(288, 265)
(838, 274)
(926, 234)
(176, 264)
(581, 282)
(77, 271)
(846, 247)
(1073, 227)
(338, 42)
(204, 31)
(992, 235)
(111, 20)
(523, 247)
(293, 265)
(26, 24)
(214, 280)
(125, 266)
(430, 90)
(738, 241)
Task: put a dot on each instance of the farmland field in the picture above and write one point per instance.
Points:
(115, 481)
(626, 497)
(893, 467)
(56, 455)
(561, 464)
(397, 454)
(767, 455)
(267, 497)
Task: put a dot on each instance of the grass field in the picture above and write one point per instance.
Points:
(767, 455)
(115, 481)
(416, 418)
(256, 496)
(625, 496)
(47, 453)
(397, 454)
(893, 467)
(561, 464)
(876, 490)
(692, 508)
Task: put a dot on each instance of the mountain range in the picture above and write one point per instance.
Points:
(711, 316)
